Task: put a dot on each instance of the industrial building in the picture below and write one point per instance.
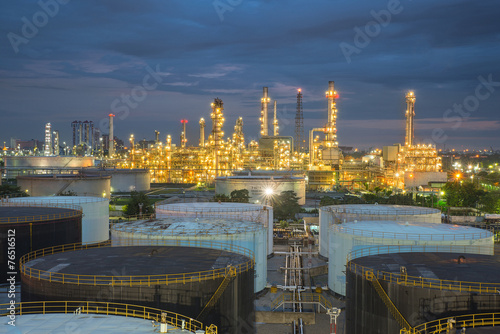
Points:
(408, 291)
(243, 235)
(262, 214)
(57, 184)
(213, 285)
(261, 188)
(95, 221)
(351, 213)
(32, 227)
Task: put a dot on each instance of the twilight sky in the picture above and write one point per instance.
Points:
(153, 62)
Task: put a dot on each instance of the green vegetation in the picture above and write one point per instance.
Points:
(239, 196)
(285, 205)
(132, 207)
(11, 191)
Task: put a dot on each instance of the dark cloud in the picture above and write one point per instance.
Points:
(91, 52)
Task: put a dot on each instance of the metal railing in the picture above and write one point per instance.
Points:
(387, 301)
(138, 280)
(380, 210)
(76, 211)
(106, 308)
(413, 236)
(461, 321)
(305, 298)
(407, 280)
(230, 274)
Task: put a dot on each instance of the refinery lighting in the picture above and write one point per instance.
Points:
(268, 191)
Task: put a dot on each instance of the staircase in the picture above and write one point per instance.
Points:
(230, 274)
(387, 301)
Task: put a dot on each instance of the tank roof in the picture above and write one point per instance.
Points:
(63, 176)
(7, 212)
(437, 265)
(86, 323)
(59, 199)
(381, 209)
(411, 230)
(215, 206)
(137, 261)
(188, 226)
(262, 177)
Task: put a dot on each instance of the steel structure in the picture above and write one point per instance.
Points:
(410, 114)
(111, 149)
(331, 125)
(299, 124)
(263, 112)
(275, 122)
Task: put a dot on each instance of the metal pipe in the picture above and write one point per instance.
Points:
(311, 143)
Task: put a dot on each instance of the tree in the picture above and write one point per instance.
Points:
(490, 202)
(221, 198)
(132, 207)
(285, 205)
(11, 191)
(465, 194)
(240, 196)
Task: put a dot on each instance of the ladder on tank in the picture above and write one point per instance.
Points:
(230, 274)
(370, 276)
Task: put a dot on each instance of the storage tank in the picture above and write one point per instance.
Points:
(262, 214)
(338, 214)
(257, 186)
(29, 227)
(175, 278)
(243, 234)
(95, 222)
(96, 317)
(18, 165)
(125, 180)
(423, 286)
(56, 184)
(345, 238)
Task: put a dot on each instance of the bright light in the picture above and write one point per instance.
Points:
(458, 175)
(268, 191)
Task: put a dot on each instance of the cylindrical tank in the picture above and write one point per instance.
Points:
(25, 228)
(257, 185)
(178, 279)
(95, 222)
(338, 214)
(243, 234)
(95, 317)
(125, 180)
(348, 237)
(262, 214)
(18, 165)
(56, 184)
(422, 286)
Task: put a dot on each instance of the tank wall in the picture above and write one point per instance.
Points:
(38, 235)
(253, 241)
(328, 218)
(233, 313)
(51, 186)
(130, 181)
(61, 161)
(263, 215)
(256, 187)
(342, 244)
(95, 222)
(366, 313)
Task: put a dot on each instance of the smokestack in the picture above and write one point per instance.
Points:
(202, 132)
(111, 150)
(263, 112)
(410, 113)
(183, 134)
(331, 125)
(275, 122)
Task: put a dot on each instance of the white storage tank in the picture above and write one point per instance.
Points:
(355, 236)
(184, 230)
(258, 185)
(338, 214)
(56, 184)
(95, 222)
(125, 180)
(18, 165)
(262, 214)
